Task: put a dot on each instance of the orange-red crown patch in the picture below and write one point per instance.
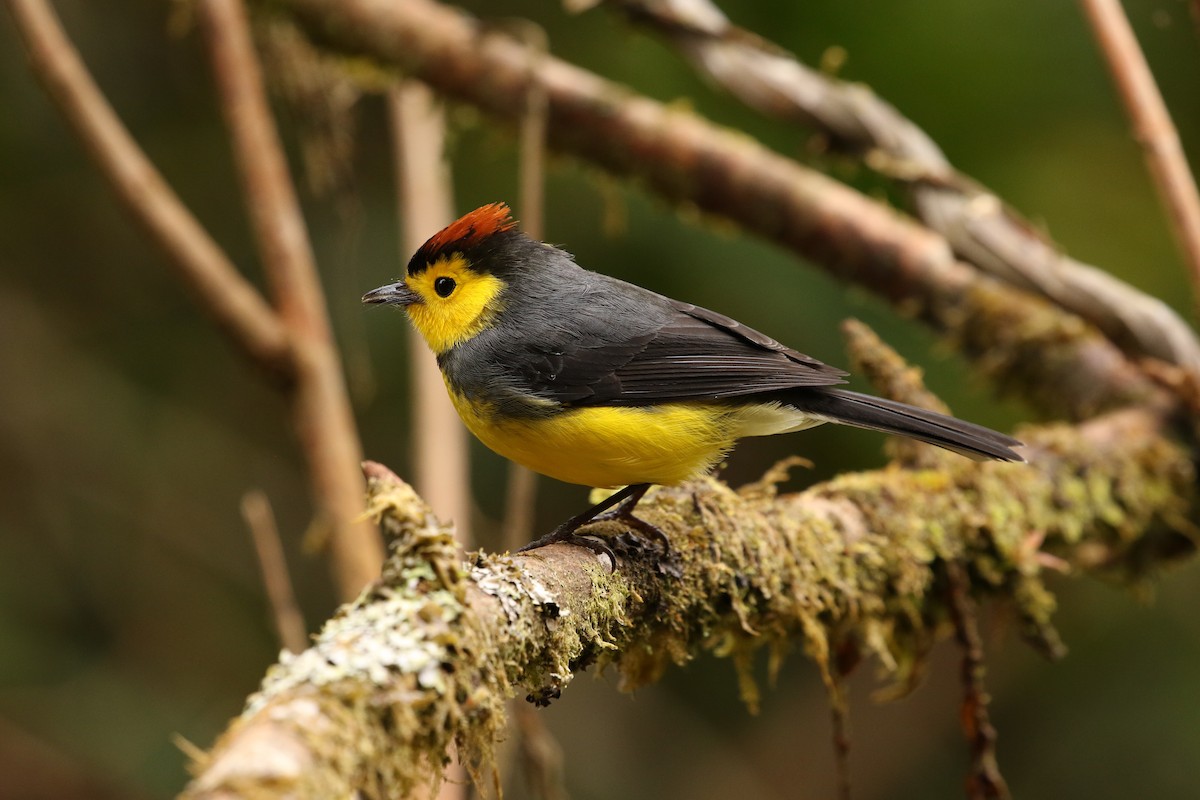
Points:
(468, 230)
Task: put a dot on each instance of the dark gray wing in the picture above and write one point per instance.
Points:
(692, 354)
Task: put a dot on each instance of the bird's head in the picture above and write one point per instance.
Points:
(454, 285)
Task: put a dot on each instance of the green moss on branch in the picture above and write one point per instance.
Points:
(427, 657)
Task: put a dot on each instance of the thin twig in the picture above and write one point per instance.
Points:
(289, 623)
(1152, 127)
(520, 504)
(985, 781)
(541, 754)
(221, 291)
(839, 716)
(439, 446)
(321, 406)
(321, 105)
(520, 496)
(271, 202)
(533, 136)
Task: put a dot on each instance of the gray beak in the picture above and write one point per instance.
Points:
(394, 294)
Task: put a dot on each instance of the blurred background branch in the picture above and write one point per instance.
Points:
(129, 433)
(853, 121)
(690, 161)
(221, 291)
(323, 419)
(315, 384)
(1152, 127)
(289, 623)
(520, 497)
(440, 465)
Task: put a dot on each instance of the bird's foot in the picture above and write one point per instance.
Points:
(624, 514)
(568, 535)
(625, 501)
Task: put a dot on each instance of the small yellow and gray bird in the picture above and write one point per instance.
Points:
(595, 381)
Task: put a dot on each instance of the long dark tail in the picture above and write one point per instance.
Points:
(877, 414)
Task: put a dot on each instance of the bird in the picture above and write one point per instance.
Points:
(595, 381)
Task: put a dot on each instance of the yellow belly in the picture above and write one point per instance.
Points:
(606, 446)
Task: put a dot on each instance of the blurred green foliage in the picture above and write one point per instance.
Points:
(130, 603)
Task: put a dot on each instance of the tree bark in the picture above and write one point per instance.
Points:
(428, 656)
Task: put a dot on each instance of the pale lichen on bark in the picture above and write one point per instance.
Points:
(427, 656)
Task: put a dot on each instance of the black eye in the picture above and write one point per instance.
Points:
(444, 286)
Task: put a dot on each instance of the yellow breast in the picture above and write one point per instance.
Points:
(609, 446)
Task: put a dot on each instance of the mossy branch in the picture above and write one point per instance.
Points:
(427, 656)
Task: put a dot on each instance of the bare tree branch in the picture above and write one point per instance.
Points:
(979, 226)
(984, 781)
(229, 299)
(289, 623)
(688, 160)
(295, 343)
(320, 404)
(428, 656)
(426, 205)
(1152, 127)
(520, 495)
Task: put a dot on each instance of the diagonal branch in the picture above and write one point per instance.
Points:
(695, 163)
(320, 404)
(293, 345)
(1152, 127)
(289, 621)
(979, 226)
(232, 302)
(429, 655)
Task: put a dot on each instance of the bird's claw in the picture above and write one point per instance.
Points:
(569, 536)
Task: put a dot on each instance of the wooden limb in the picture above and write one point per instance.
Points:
(228, 298)
(984, 781)
(541, 755)
(688, 160)
(429, 655)
(289, 623)
(320, 403)
(425, 204)
(270, 339)
(980, 227)
(1152, 127)
(520, 495)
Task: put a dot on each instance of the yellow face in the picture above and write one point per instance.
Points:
(456, 302)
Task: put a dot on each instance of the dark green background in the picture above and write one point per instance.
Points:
(130, 604)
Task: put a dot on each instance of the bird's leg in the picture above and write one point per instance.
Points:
(624, 513)
(602, 512)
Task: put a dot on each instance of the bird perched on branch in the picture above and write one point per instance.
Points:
(595, 381)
